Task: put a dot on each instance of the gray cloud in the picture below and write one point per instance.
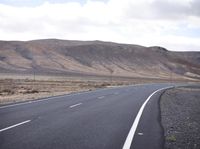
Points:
(164, 9)
(195, 7)
(176, 10)
(145, 22)
(170, 10)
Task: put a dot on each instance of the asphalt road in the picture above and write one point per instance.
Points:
(100, 119)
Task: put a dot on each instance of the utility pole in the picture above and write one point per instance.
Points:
(111, 75)
(34, 73)
(171, 76)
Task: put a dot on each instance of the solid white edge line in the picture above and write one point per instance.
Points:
(132, 131)
(53, 97)
(23, 103)
(78, 104)
(14, 125)
(17, 104)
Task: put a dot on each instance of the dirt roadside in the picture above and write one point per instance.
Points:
(180, 118)
(17, 90)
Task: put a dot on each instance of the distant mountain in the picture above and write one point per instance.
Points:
(64, 57)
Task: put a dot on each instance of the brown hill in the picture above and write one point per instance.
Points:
(64, 57)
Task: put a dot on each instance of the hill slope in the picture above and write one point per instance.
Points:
(52, 56)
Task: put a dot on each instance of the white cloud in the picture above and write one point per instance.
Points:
(145, 22)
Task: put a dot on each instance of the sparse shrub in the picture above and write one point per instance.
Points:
(31, 92)
(8, 91)
(171, 138)
(102, 85)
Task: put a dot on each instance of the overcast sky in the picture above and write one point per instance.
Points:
(173, 24)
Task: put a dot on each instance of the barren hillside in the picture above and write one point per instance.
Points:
(63, 57)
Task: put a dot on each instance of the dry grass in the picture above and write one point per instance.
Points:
(13, 90)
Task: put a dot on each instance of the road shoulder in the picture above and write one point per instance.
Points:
(180, 117)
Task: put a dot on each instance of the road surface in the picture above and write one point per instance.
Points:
(110, 118)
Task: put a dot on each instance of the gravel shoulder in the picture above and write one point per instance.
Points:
(180, 118)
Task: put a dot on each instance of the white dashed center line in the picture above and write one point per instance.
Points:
(1, 130)
(101, 97)
(78, 104)
(140, 134)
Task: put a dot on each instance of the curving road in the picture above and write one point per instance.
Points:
(101, 119)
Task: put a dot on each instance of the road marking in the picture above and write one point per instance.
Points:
(17, 104)
(23, 103)
(66, 95)
(140, 134)
(78, 104)
(101, 97)
(132, 131)
(14, 125)
(49, 98)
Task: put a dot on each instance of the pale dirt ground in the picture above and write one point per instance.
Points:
(15, 87)
(180, 114)
(15, 90)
